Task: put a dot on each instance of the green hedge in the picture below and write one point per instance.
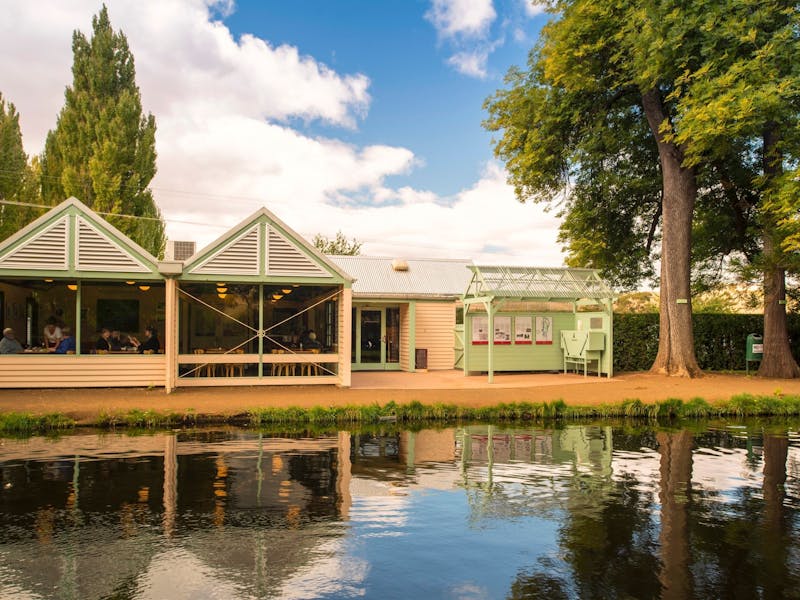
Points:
(719, 340)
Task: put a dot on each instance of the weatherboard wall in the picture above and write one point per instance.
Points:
(435, 322)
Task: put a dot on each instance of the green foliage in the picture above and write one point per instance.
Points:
(415, 415)
(19, 179)
(719, 340)
(339, 246)
(102, 150)
(27, 423)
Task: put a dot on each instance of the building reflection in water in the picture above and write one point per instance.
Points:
(229, 513)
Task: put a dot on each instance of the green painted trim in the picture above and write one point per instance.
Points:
(263, 232)
(234, 278)
(264, 222)
(325, 264)
(72, 238)
(228, 238)
(260, 330)
(77, 333)
(72, 211)
(412, 337)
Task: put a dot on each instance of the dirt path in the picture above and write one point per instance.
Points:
(86, 405)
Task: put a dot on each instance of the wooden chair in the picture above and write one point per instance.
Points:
(232, 368)
(283, 369)
(310, 369)
(206, 369)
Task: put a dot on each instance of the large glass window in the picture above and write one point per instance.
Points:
(40, 311)
(217, 316)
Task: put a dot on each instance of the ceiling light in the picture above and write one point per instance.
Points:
(222, 294)
(72, 286)
(222, 289)
(287, 291)
(130, 282)
(144, 288)
(277, 296)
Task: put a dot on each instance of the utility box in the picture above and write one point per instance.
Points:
(754, 350)
(421, 359)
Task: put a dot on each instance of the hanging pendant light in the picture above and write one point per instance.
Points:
(144, 288)
(72, 286)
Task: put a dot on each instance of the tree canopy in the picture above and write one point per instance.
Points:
(616, 114)
(19, 179)
(339, 245)
(102, 150)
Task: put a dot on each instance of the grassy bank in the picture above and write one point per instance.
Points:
(743, 405)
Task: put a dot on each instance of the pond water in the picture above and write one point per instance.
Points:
(601, 510)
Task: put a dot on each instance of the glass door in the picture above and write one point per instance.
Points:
(375, 338)
(372, 349)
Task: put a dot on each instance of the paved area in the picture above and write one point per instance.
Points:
(456, 380)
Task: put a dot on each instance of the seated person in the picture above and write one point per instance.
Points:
(52, 333)
(103, 343)
(116, 340)
(311, 342)
(9, 344)
(150, 344)
(67, 343)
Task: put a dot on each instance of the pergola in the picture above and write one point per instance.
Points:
(494, 287)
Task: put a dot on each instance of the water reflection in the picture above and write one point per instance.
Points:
(584, 511)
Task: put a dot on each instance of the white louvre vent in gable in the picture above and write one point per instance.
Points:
(45, 251)
(239, 257)
(97, 252)
(285, 258)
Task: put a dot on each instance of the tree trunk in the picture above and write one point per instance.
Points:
(777, 360)
(776, 530)
(676, 476)
(676, 336)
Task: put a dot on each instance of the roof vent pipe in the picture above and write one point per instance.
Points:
(399, 264)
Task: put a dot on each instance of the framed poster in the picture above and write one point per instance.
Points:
(502, 330)
(480, 330)
(544, 330)
(523, 330)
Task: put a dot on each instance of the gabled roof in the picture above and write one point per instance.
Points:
(71, 240)
(425, 277)
(533, 283)
(261, 248)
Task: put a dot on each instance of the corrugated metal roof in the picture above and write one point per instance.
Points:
(425, 277)
(537, 283)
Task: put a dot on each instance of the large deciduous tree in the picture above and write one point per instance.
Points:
(102, 150)
(598, 68)
(745, 101)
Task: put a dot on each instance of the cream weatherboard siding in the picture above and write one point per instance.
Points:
(62, 371)
(405, 338)
(434, 331)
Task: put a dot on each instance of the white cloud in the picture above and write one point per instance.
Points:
(470, 63)
(227, 146)
(469, 18)
(534, 7)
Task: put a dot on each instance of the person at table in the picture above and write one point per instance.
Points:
(103, 343)
(9, 344)
(67, 343)
(115, 341)
(52, 333)
(150, 344)
(311, 342)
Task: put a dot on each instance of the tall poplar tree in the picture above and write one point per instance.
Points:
(102, 150)
(19, 181)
